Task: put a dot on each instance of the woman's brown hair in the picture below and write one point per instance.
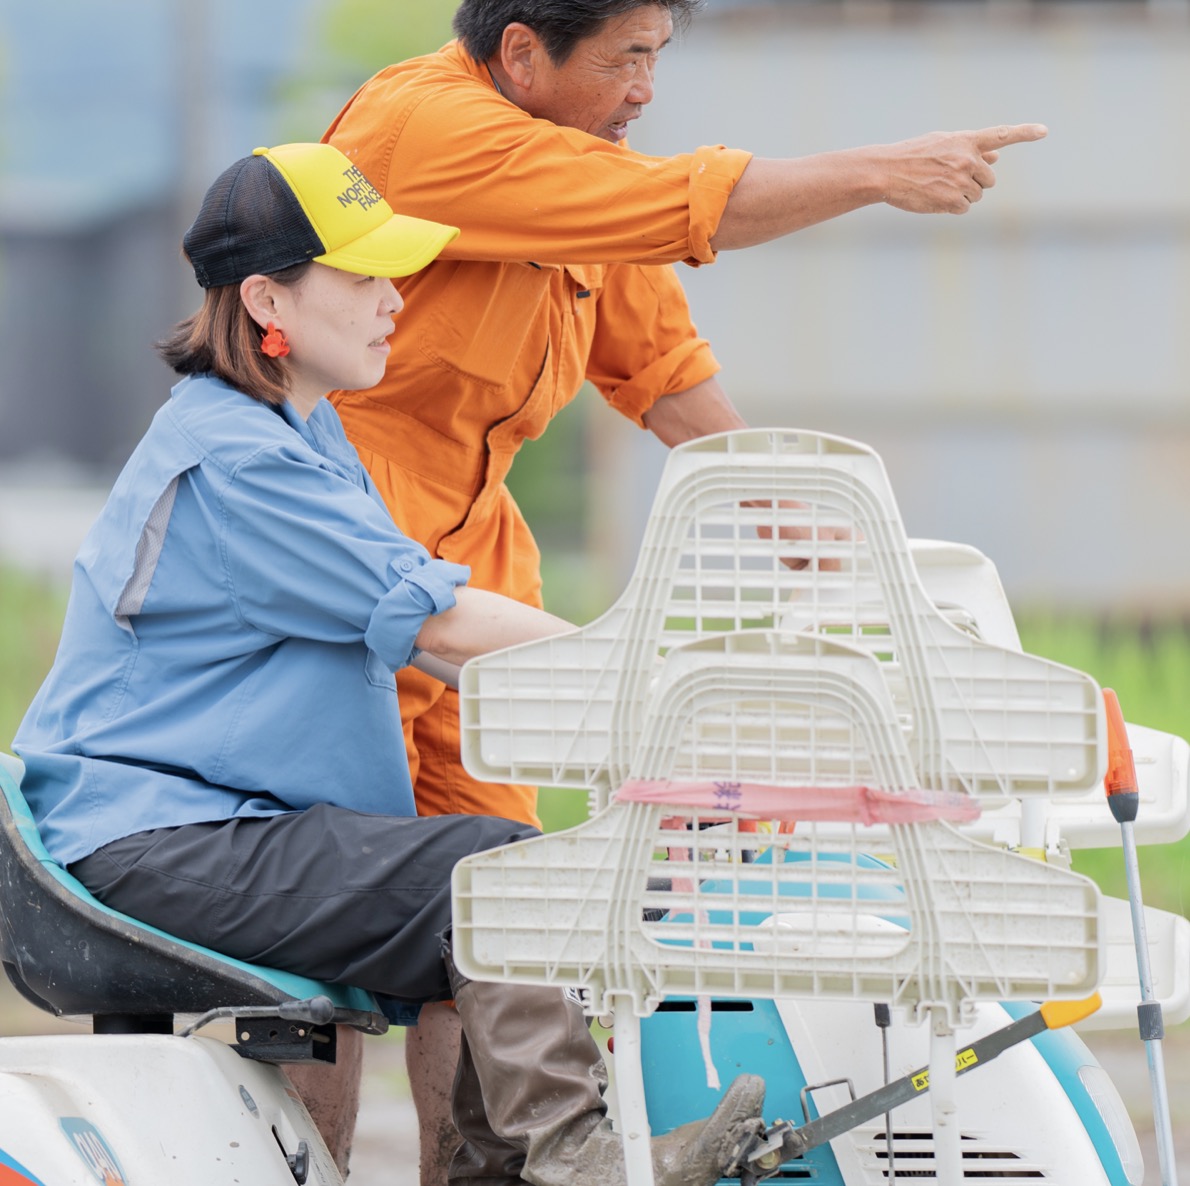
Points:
(222, 339)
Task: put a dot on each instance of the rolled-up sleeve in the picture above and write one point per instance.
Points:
(420, 589)
(645, 345)
(311, 555)
(714, 171)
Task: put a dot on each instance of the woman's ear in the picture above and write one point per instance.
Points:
(260, 299)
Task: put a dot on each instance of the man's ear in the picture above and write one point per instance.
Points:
(260, 299)
(520, 53)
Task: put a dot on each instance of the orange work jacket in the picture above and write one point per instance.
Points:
(562, 273)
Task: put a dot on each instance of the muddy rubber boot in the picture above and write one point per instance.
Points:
(543, 1081)
(483, 1159)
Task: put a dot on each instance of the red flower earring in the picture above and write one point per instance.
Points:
(273, 343)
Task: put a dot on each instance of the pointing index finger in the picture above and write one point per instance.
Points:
(989, 139)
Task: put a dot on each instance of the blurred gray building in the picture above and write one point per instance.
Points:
(115, 118)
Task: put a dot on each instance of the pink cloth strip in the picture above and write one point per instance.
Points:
(854, 804)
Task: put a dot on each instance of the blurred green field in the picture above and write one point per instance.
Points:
(30, 620)
(1146, 662)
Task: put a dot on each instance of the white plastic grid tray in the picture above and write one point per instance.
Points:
(646, 902)
(776, 632)
(627, 905)
(731, 514)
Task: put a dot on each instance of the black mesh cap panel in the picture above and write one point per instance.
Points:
(250, 222)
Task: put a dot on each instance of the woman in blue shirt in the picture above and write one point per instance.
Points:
(218, 748)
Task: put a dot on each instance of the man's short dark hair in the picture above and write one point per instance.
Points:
(561, 24)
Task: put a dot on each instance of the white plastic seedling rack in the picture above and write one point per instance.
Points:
(776, 657)
(979, 718)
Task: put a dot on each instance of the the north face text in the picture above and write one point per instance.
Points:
(360, 191)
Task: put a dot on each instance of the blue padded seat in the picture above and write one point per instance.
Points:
(69, 954)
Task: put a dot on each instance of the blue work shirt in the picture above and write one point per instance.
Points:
(235, 619)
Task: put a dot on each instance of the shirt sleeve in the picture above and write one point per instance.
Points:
(311, 555)
(526, 189)
(645, 345)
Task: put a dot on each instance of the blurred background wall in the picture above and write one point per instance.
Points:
(116, 116)
(1023, 370)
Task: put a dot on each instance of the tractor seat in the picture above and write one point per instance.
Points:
(69, 954)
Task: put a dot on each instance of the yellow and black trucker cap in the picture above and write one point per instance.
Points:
(297, 202)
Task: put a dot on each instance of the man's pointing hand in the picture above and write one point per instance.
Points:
(945, 172)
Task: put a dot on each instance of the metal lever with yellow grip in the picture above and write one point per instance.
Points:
(762, 1155)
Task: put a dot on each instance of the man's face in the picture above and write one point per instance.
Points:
(607, 79)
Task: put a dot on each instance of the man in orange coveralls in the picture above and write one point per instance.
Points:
(515, 133)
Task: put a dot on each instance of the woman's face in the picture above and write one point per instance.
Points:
(337, 325)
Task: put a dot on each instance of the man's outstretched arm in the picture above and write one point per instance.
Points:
(939, 173)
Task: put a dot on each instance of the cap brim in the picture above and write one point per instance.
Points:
(398, 247)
